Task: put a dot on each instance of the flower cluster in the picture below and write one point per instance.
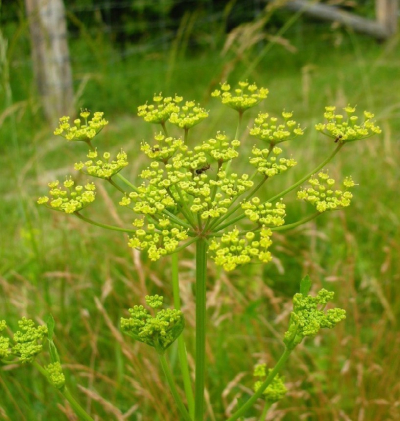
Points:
(308, 316)
(244, 97)
(350, 129)
(232, 250)
(27, 341)
(220, 149)
(270, 165)
(5, 351)
(158, 331)
(159, 238)
(188, 115)
(269, 129)
(161, 110)
(102, 167)
(55, 375)
(264, 213)
(322, 195)
(276, 390)
(83, 131)
(71, 199)
(164, 149)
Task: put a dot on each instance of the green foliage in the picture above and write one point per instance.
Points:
(338, 254)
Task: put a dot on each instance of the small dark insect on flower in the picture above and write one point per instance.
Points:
(202, 169)
(338, 138)
(155, 149)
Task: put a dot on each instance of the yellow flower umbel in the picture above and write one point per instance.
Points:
(323, 196)
(102, 167)
(349, 129)
(160, 111)
(81, 130)
(69, 199)
(272, 131)
(242, 98)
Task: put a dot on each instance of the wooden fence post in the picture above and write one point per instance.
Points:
(50, 56)
(387, 14)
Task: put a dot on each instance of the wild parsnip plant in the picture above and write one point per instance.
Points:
(191, 194)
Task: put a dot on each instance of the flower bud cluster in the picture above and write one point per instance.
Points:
(159, 238)
(102, 167)
(242, 98)
(232, 251)
(83, 131)
(27, 341)
(71, 199)
(5, 351)
(220, 149)
(270, 165)
(188, 115)
(276, 390)
(158, 331)
(269, 129)
(322, 195)
(264, 213)
(161, 110)
(350, 129)
(55, 375)
(164, 148)
(308, 316)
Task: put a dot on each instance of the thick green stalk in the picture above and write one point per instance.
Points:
(279, 365)
(201, 277)
(173, 388)
(183, 361)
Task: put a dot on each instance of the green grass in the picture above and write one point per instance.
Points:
(87, 278)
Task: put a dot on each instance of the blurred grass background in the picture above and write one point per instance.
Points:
(87, 278)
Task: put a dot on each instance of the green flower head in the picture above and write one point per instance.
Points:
(309, 316)
(159, 330)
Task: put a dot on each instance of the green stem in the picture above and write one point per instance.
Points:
(296, 224)
(176, 219)
(307, 176)
(265, 411)
(173, 388)
(99, 224)
(127, 182)
(185, 210)
(82, 414)
(181, 343)
(232, 211)
(201, 277)
(228, 223)
(182, 247)
(115, 185)
(279, 365)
